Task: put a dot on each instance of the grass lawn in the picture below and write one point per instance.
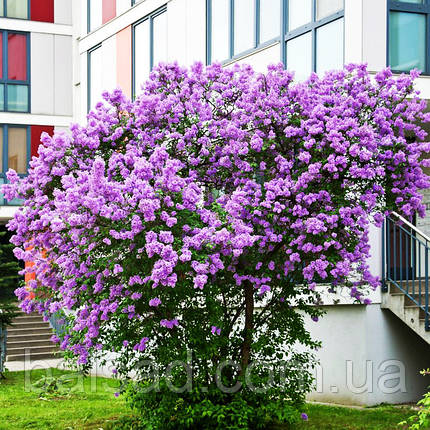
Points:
(91, 405)
(339, 418)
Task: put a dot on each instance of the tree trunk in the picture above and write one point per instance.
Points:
(249, 326)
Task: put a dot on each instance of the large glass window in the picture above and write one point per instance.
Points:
(244, 28)
(159, 30)
(14, 71)
(14, 148)
(18, 143)
(299, 55)
(149, 46)
(327, 7)
(220, 30)
(14, 154)
(237, 26)
(95, 76)
(407, 29)
(270, 15)
(17, 149)
(102, 11)
(314, 36)
(17, 9)
(329, 46)
(312, 31)
(299, 13)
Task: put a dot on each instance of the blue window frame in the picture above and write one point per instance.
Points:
(14, 93)
(408, 33)
(311, 31)
(94, 76)
(236, 27)
(149, 45)
(15, 151)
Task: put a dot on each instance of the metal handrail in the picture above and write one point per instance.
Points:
(411, 226)
(405, 262)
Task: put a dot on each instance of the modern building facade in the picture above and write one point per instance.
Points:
(36, 92)
(58, 57)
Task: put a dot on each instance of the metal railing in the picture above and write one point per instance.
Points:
(3, 340)
(405, 262)
(56, 321)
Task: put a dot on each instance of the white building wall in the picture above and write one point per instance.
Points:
(63, 12)
(51, 77)
(63, 75)
(374, 34)
(368, 357)
(42, 73)
(261, 59)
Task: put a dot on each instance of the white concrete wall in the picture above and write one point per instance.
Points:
(51, 77)
(63, 66)
(368, 357)
(375, 34)
(63, 12)
(261, 59)
(42, 73)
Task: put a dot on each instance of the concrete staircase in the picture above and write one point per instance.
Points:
(405, 308)
(30, 333)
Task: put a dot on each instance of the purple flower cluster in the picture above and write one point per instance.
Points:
(215, 175)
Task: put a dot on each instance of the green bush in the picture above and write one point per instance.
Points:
(210, 409)
(422, 419)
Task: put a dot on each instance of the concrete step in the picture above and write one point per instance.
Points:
(405, 309)
(45, 337)
(419, 311)
(33, 356)
(28, 319)
(30, 331)
(30, 324)
(29, 343)
(20, 350)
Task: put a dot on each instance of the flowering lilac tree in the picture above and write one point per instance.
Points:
(202, 216)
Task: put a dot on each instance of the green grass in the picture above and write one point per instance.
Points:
(91, 402)
(340, 418)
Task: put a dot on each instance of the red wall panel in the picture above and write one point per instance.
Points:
(36, 131)
(42, 10)
(1, 55)
(109, 10)
(17, 56)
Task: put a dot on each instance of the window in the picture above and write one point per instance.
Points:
(14, 71)
(237, 26)
(14, 152)
(18, 143)
(95, 76)
(100, 12)
(407, 30)
(312, 31)
(314, 39)
(15, 9)
(149, 46)
(36, 10)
